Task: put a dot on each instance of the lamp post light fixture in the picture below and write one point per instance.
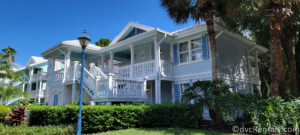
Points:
(84, 41)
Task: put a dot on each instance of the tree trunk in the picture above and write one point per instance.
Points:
(209, 19)
(278, 86)
(287, 44)
(297, 57)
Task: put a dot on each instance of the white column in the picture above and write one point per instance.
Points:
(23, 87)
(111, 62)
(75, 70)
(256, 60)
(171, 53)
(132, 61)
(30, 75)
(102, 61)
(67, 64)
(73, 92)
(40, 90)
(157, 72)
(64, 95)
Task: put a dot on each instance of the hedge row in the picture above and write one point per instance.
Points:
(3, 111)
(104, 118)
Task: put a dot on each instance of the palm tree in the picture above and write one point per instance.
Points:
(8, 92)
(182, 10)
(9, 54)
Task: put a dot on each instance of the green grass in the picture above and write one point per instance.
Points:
(36, 130)
(162, 131)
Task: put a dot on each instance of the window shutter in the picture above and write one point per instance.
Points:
(205, 47)
(177, 92)
(175, 54)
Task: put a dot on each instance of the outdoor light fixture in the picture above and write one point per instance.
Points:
(84, 41)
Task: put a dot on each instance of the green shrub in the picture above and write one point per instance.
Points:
(36, 130)
(3, 111)
(104, 118)
(274, 113)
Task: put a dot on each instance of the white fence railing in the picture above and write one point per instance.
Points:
(100, 86)
(254, 72)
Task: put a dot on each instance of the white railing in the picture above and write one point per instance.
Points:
(38, 75)
(139, 70)
(57, 78)
(143, 69)
(95, 71)
(124, 72)
(166, 68)
(101, 86)
(128, 88)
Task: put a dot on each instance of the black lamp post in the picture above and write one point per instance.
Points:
(84, 42)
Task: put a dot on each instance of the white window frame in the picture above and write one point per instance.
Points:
(188, 51)
(195, 49)
(189, 40)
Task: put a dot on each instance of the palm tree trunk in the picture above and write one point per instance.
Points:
(287, 45)
(209, 19)
(297, 58)
(278, 86)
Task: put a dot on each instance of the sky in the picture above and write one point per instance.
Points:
(33, 26)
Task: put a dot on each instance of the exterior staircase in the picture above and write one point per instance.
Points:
(106, 87)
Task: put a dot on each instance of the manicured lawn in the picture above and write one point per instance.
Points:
(36, 130)
(162, 131)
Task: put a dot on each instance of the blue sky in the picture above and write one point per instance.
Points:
(33, 26)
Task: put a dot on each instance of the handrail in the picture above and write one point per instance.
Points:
(100, 72)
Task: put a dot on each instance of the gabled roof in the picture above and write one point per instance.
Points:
(128, 28)
(35, 60)
(75, 43)
(71, 44)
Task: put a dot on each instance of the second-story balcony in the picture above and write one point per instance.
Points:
(143, 69)
(39, 76)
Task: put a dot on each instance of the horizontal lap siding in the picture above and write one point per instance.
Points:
(193, 68)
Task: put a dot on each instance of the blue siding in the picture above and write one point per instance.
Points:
(192, 68)
(55, 100)
(175, 54)
(177, 92)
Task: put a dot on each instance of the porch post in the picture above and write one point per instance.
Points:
(40, 90)
(73, 92)
(157, 71)
(67, 64)
(256, 60)
(132, 61)
(102, 62)
(111, 62)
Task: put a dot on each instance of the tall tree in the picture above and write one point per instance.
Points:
(182, 10)
(103, 42)
(9, 54)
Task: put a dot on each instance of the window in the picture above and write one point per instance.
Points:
(184, 52)
(184, 86)
(193, 50)
(196, 49)
(33, 86)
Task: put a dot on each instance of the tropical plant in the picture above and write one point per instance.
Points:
(16, 116)
(8, 92)
(182, 10)
(103, 42)
(9, 54)
(216, 95)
